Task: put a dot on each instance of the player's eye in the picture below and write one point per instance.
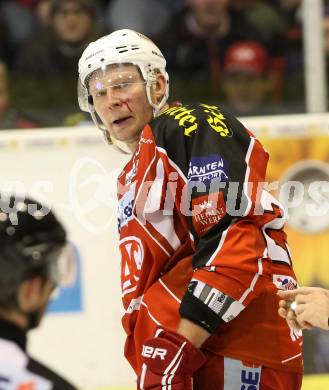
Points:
(100, 93)
(120, 86)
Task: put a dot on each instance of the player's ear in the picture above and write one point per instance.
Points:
(29, 293)
(159, 88)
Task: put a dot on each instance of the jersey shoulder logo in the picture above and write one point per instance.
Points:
(187, 118)
(217, 120)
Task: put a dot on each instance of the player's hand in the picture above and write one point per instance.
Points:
(311, 307)
(169, 359)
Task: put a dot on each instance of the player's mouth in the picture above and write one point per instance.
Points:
(121, 121)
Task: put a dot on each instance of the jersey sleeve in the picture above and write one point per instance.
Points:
(225, 167)
(226, 173)
(235, 225)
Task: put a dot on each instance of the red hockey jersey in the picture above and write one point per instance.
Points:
(194, 220)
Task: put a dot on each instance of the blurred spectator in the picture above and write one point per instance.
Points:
(266, 19)
(10, 117)
(174, 5)
(42, 11)
(46, 68)
(246, 79)
(289, 5)
(292, 52)
(195, 43)
(138, 15)
(6, 50)
(271, 27)
(19, 32)
(290, 11)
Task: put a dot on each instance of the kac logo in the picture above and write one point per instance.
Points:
(132, 255)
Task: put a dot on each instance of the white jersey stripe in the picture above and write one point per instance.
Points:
(291, 358)
(143, 374)
(164, 224)
(221, 243)
(145, 174)
(181, 174)
(246, 179)
(137, 196)
(128, 291)
(149, 313)
(253, 282)
(154, 239)
(170, 292)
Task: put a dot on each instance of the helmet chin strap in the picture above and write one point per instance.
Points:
(125, 147)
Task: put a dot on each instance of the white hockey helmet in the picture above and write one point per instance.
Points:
(121, 47)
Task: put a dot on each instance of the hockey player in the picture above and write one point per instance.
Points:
(30, 248)
(202, 245)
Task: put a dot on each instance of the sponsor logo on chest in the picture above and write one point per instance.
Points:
(208, 212)
(207, 168)
(132, 173)
(126, 204)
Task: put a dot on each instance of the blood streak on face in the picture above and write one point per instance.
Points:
(126, 102)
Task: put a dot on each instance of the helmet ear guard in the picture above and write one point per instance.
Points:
(83, 97)
(98, 121)
(90, 100)
(157, 106)
(86, 104)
